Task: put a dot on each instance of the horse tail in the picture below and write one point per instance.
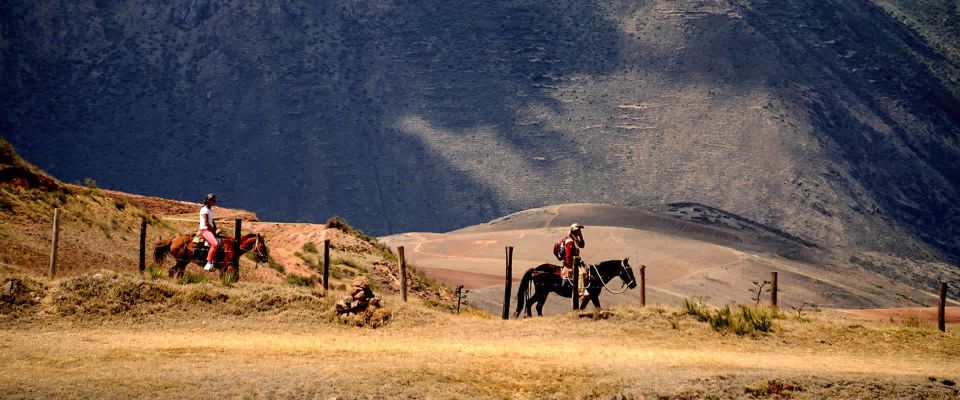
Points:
(523, 292)
(161, 249)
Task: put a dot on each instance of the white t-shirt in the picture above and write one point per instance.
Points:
(206, 218)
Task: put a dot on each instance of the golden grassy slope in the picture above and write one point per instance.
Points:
(127, 338)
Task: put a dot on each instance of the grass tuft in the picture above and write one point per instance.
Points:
(191, 278)
(742, 321)
(155, 272)
(299, 280)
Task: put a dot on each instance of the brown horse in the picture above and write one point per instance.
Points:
(182, 249)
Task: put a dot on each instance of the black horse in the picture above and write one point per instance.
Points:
(546, 278)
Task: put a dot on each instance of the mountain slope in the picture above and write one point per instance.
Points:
(833, 121)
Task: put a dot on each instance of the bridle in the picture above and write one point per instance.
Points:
(256, 251)
(623, 267)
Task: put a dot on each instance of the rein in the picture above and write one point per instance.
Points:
(622, 288)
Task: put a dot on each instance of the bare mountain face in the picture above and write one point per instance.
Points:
(835, 121)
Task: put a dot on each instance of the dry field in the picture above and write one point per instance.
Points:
(137, 338)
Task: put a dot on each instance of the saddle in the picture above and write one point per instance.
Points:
(201, 248)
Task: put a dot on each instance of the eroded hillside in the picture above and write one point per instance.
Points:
(831, 120)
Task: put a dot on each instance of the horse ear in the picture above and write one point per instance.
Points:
(626, 260)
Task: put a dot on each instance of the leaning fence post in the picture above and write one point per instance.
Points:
(56, 240)
(643, 285)
(576, 283)
(403, 274)
(236, 249)
(326, 264)
(773, 289)
(941, 308)
(508, 284)
(143, 245)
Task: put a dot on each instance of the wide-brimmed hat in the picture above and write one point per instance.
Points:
(210, 197)
(575, 226)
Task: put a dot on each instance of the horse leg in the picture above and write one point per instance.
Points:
(181, 268)
(540, 302)
(596, 300)
(536, 292)
(176, 270)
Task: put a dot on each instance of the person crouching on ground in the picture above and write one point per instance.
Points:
(208, 229)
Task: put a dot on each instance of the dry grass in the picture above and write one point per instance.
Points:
(194, 341)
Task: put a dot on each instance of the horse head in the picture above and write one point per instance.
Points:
(257, 245)
(264, 254)
(626, 274)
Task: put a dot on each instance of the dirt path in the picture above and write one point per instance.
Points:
(473, 358)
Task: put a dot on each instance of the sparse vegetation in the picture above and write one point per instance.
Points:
(914, 322)
(758, 291)
(299, 280)
(310, 247)
(741, 321)
(342, 225)
(155, 272)
(799, 313)
(276, 266)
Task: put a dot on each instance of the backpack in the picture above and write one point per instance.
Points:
(560, 249)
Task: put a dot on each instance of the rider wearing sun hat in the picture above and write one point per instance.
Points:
(208, 229)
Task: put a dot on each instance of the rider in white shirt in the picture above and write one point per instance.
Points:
(208, 229)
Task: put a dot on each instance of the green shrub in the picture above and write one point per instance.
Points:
(299, 280)
(744, 321)
(697, 309)
(155, 272)
(310, 247)
(226, 279)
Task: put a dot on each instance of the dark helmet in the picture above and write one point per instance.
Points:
(210, 197)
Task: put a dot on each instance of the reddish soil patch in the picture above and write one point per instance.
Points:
(903, 314)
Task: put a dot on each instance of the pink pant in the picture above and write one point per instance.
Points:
(212, 241)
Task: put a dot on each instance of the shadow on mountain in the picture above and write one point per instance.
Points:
(870, 85)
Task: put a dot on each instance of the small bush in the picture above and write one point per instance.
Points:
(90, 183)
(745, 320)
(155, 272)
(310, 247)
(948, 382)
(299, 280)
(191, 278)
(697, 309)
(226, 279)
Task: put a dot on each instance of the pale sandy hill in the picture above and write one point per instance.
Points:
(689, 251)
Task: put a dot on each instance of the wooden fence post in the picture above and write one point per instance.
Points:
(941, 308)
(143, 245)
(643, 285)
(56, 240)
(773, 290)
(326, 264)
(508, 285)
(576, 284)
(236, 248)
(403, 274)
